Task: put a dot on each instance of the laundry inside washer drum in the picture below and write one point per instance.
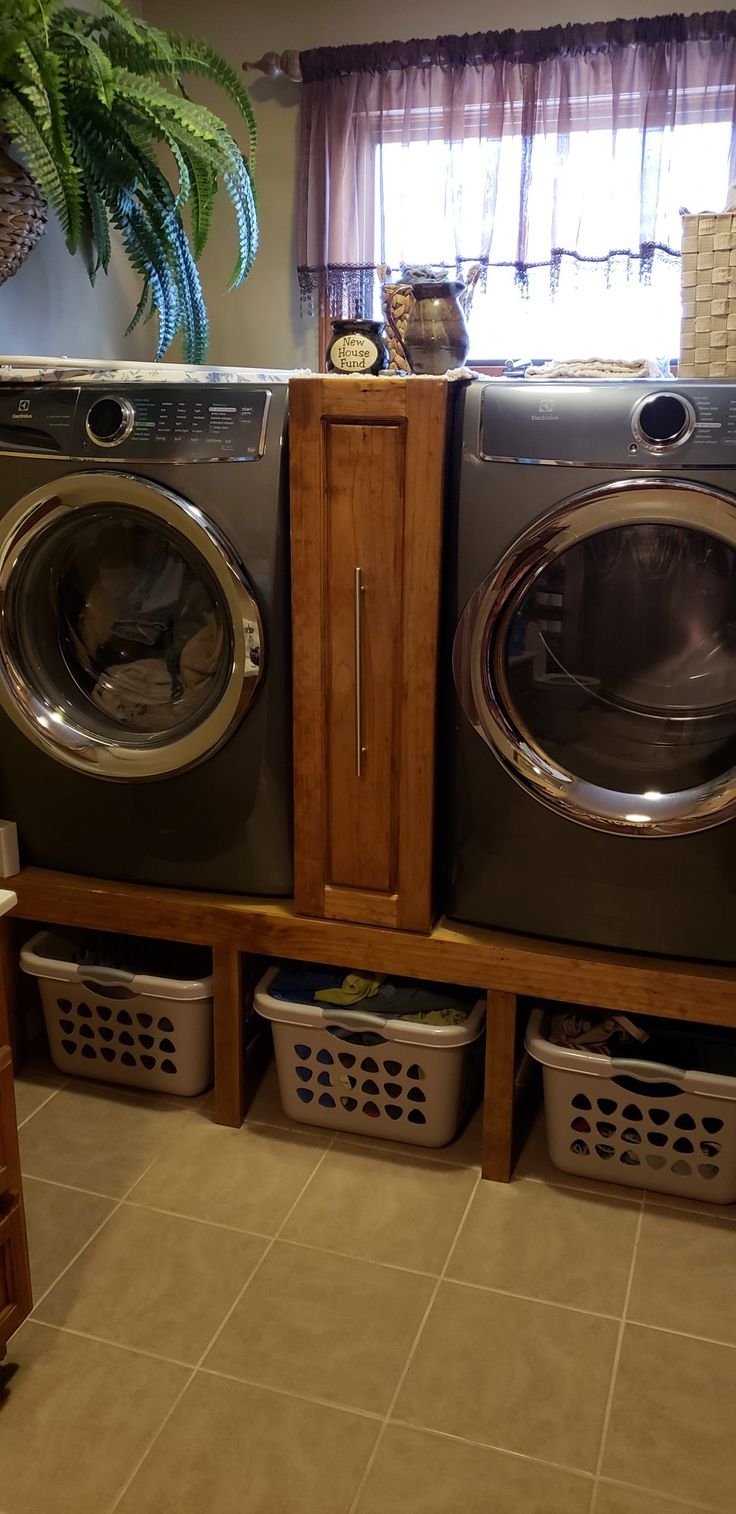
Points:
(129, 617)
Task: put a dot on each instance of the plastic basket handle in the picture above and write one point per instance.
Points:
(646, 1072)
(352, 1019)
(102, 975)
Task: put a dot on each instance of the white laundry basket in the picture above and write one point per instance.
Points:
(140, 1028)
(635, 1122)
(355, 1070)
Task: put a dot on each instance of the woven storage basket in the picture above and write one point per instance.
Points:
(23, 212)
(708, 334)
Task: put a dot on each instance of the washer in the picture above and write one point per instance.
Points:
(145, 703)
(589, 784)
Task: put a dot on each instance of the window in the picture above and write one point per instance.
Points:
(602, 307)
(556, 160)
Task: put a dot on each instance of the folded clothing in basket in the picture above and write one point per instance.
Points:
(393, 999)
(695, 1048)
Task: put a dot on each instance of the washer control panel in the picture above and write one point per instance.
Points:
(631, 423)
(192, 423)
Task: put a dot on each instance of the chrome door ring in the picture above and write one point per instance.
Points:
(40, 718)
(479, 646)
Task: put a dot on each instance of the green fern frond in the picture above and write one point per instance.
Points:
(199, 58)
(88, 97)
(99, 228)
(39, 159)
(143, 310)
(202, 201)
(123, 17)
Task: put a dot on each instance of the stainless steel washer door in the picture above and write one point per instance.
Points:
(598, 660)
(130, 641)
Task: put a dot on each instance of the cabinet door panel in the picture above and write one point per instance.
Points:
(367, 482)
(364, 479)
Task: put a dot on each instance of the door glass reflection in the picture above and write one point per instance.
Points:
(620, 659)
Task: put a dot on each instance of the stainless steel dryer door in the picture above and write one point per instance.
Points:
(598, 660)
(130, 641)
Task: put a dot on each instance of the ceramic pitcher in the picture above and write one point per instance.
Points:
(436, 337)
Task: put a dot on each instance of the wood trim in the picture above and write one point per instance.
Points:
(498, 1099)
(9, 1155)
(363, 400)
(426, 410)
(452, 953)
(16, 1300)
(375, 909)
(8, 982)
(308, 669)
(229, 1036)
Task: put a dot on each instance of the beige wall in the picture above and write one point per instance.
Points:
(50, 308)
(49, 305)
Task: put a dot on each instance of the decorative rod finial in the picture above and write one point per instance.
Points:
(273, 64)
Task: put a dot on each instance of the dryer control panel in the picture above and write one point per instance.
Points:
(191, 423)
(621, 423)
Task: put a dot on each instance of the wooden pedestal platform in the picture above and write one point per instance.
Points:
(504, 966)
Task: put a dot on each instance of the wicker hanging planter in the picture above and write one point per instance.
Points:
(23, 212)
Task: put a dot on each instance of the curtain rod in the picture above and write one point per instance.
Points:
(320, 64)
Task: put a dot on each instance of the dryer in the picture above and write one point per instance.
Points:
(144, 631)
(589, 783)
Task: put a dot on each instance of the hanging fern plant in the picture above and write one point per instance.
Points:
(90, 100)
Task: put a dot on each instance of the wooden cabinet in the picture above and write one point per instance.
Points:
(15, 1279)
(367, 487)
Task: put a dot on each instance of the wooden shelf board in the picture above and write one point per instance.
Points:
(470, 955)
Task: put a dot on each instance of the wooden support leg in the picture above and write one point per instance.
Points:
(498, 1099)
(229, 1017)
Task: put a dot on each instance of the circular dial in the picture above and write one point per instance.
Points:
(663, 420)
(109, 421)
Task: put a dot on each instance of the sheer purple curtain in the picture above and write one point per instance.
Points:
(555, 154)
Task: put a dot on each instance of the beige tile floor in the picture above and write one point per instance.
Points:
(275, 1321)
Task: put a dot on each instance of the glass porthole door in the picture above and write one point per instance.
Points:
(598, 660)
(130, 641)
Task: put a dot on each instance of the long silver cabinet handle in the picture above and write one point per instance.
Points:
(359, 748)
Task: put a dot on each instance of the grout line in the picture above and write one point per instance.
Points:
(196, 1219)
(487, 1445)
(42, 1105)
(399, 1149)
(667, 1202)
(352, 1256)
(90, 1238)
(117, 1500)
(531, 1298)
(617, 1359)
(104, 1340)
(113, 1198)
(596, 1190)
(673, 1498)
(412, 1350)
(311, 1398)
(707, 1340)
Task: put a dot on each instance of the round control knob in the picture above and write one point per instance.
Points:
(663, 420)
(109, 421)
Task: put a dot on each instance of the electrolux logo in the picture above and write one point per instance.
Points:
(545, 409)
